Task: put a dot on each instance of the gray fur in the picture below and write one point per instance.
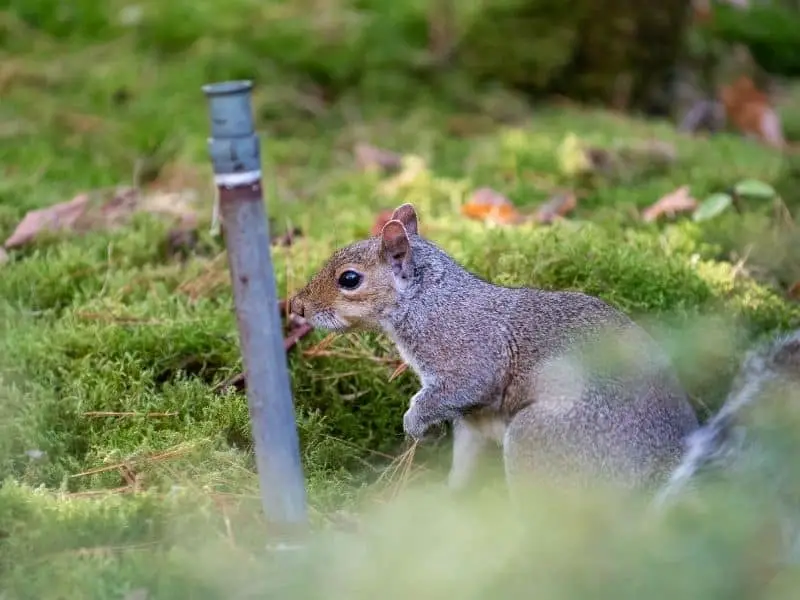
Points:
(484, 351)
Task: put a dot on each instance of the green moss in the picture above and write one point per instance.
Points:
(108, 322)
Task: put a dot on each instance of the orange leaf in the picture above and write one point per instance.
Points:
(748, 109)
(489, 205)
(672, 203)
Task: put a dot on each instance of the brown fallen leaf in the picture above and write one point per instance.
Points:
(749, 110)
(99, 210)
(383, 217)
(372, 158)
(486, 204)
(794, 291)
(669, 205)
(54, 218)
(556, 207)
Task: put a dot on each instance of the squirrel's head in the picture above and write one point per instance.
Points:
(361, 282)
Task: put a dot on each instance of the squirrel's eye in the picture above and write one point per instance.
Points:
(349, 280)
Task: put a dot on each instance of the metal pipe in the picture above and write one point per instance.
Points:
(235, 155)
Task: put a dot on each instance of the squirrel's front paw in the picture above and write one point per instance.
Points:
(413, 424)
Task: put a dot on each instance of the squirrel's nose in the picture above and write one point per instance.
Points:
(296, 306)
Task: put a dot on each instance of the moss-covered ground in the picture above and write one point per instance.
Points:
(96, 506)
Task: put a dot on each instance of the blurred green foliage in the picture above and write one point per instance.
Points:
(770, 31)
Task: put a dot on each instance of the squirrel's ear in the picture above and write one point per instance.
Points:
(406, 214)
(395, 248)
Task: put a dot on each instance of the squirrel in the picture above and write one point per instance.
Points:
(564, 383)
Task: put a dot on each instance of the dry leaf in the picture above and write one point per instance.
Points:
(90, 212)
(669, 205)
(556, 207)
(54, 218)
(489, 205)
(750, 111)
(794, 291)
(372, 158)
(383, 217)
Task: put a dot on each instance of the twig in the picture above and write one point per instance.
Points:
(398, 371)
(352, 356)
(321, 345)
(403, 464)
(151, 458)
(296, 334)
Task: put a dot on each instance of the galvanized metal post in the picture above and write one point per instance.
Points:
(235, 154)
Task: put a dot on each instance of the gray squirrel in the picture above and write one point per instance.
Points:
(566, 384)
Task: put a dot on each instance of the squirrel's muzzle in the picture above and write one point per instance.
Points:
(296, 306)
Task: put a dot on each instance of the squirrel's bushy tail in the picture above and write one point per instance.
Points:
(718, 443)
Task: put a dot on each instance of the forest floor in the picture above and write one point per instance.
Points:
(125, 455)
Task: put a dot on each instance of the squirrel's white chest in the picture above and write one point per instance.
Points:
(408, 358)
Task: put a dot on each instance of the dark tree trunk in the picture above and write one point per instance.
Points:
(612, 52)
